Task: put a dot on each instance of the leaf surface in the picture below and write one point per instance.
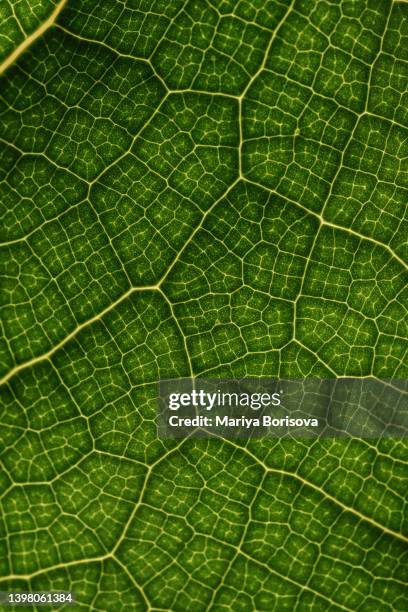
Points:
(207, 188)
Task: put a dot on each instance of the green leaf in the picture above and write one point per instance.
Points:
(21, 21)
(209, 188)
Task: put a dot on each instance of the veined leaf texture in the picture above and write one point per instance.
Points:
(212, 188)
